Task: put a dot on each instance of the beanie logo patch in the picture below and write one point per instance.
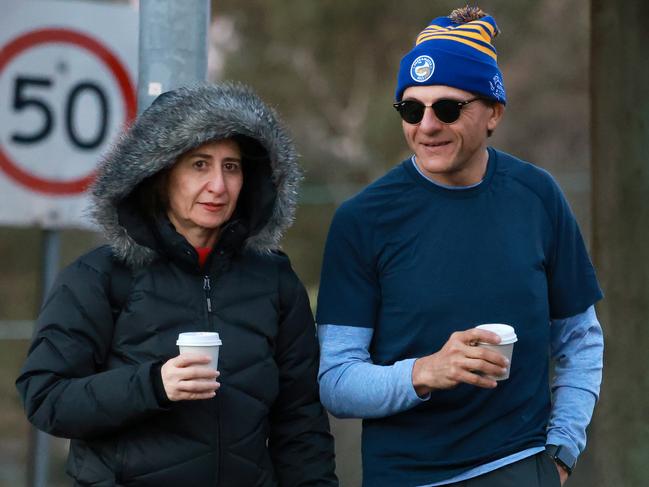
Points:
(422, 69)
(497, 87)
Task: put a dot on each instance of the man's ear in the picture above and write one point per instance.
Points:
(497, 112)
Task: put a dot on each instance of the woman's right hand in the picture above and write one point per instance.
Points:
(186, 378)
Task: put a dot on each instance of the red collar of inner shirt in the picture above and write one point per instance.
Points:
(203, 254)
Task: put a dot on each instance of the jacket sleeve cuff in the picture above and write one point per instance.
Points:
(158, 385)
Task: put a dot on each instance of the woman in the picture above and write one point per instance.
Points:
(193, 201)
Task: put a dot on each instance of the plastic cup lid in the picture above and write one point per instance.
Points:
(505, 332)
(198, 339)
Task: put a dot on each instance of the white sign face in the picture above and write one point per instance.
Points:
(67, 89)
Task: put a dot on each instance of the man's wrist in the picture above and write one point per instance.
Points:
(562, 457)
(418, 383)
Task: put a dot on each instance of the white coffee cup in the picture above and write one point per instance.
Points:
(201, 342)
(505, 347)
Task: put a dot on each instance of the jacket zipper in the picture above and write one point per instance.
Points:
(207, 288)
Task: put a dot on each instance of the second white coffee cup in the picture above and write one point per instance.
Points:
(508, 337)
(201, 342)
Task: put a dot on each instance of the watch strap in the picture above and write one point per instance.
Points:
(562, 456)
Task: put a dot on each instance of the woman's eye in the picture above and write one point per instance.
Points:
(231, 166)
(199, 164)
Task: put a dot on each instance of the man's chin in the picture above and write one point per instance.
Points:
(433, 164)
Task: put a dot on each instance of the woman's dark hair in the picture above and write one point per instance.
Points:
(258, 193)
(151, 195)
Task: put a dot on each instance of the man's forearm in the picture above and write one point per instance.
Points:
(351, 386)
(577, 349)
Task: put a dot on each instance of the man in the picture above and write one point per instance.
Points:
(458, 235)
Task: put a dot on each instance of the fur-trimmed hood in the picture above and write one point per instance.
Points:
(179, 121)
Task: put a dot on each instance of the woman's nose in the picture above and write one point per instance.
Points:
(216, 184)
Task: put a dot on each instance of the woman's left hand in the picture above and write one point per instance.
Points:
(187, 377)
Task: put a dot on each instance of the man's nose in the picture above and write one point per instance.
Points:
(430, 122)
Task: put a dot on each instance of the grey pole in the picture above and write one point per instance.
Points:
(39, 457)
(173, 46)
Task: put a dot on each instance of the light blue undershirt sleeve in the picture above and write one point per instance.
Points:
(351, 386)
(577, 347)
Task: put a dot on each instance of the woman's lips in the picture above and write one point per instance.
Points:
(213, 206)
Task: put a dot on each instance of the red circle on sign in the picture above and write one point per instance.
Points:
(43, 36)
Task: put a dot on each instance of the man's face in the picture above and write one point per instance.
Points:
(451, 154)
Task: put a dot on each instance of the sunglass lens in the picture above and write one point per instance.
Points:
(447, 111)
(412, 111)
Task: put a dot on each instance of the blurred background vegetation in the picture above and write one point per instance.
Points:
(329, 68)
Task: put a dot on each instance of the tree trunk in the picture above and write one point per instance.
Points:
(618, 450)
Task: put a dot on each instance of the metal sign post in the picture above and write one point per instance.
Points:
(173, 46)
(39, 457)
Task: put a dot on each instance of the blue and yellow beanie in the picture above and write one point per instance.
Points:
(455, 51)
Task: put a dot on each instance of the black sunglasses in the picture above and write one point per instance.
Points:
(446, 111)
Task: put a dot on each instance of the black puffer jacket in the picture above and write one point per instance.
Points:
(93, 369)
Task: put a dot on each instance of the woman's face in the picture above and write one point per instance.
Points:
(203, 188)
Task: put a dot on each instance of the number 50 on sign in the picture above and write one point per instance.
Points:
(64, 95)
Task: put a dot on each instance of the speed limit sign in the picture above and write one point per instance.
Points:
(66, 91)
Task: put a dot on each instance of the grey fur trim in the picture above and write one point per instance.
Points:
(179, 121)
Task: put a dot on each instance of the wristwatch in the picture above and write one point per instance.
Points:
(562, 456)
